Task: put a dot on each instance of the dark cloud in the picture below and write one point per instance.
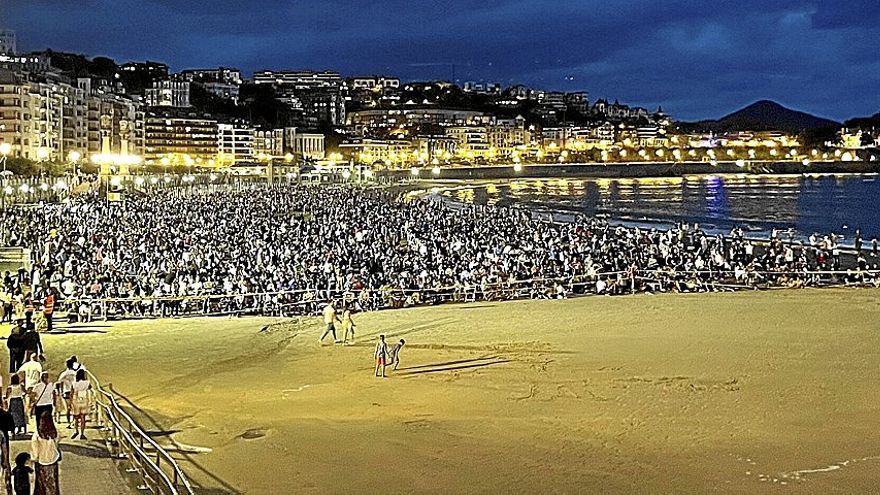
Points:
(696, 58)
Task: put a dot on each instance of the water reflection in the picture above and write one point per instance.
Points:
(754, 202)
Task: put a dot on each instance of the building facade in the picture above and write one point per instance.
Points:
(180, 140)
(7, 42)
(235, 143)
(168, 93)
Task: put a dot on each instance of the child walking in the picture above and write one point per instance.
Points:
(21, 474)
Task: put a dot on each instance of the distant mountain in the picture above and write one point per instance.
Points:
(864, 122)
(766, 115)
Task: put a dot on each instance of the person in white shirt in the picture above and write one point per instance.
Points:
(81, 400)
(46, 455)
(330, 317)
(43, 396)
(66, 379)
(31, 370)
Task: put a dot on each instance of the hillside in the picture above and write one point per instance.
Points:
(766, 115)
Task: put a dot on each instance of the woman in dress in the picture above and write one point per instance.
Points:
(15, 393)
(81, 403)
(46, 455)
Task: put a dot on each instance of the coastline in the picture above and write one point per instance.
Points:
(636, 170)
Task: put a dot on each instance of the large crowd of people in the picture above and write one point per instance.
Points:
(288, 249)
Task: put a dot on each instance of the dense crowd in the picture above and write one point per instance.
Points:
(289, 249)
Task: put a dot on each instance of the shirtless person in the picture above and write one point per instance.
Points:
(394, 354)
(381, 355)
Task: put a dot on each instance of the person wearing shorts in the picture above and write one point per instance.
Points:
(381, 356)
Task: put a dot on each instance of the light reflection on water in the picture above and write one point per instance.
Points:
(757, 203)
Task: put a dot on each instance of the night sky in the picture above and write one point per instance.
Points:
(698, 58)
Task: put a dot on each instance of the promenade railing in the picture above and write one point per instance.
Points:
(308, 301)
(159, 473)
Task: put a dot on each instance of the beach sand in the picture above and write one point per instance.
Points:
(750, 392)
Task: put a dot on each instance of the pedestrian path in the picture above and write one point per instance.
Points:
(86, 467)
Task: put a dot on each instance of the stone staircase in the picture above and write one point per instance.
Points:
(13, 258)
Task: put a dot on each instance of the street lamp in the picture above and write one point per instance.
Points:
(5, 148)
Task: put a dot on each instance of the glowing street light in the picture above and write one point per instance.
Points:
(42, 153)
(346, 174)
(740, 163)
(414, 172)
(517, 167)
(5, 149)
(435, 171)
(73, 156)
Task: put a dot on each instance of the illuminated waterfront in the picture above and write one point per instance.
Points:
(757, 203)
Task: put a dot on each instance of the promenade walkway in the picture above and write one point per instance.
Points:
(86, 467)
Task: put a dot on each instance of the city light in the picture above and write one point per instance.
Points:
(346, 174)
(435, 171)
(517, 167)
(740, 163)
(115, 159)
(414, 171)
(42, 153)
(5, 148)
(139, 181)
(115, 182)
(8, 190)
(73, 156)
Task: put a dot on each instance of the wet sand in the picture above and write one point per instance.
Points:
(750, 392)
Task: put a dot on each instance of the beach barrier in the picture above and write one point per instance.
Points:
(159, 473)
(308, 301)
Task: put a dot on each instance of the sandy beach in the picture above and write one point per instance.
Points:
(750, 392)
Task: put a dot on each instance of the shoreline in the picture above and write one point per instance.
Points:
(635, 170)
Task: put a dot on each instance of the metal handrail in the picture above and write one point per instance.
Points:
(131, 442)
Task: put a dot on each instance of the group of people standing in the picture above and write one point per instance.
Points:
(33, 398)
(384, 355)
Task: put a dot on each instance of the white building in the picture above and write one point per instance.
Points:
(302, 79)
(235, 143)
(304, 144)
(375, 82)
(168, 93)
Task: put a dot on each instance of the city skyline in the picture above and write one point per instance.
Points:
(697, 63)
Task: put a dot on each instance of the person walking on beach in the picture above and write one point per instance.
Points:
(15, 394)
(31, 342)
(394, 354)
(381, 356)
(31, 370)
(81, 403)
(44, 450)
(347, 326)
(15, 344)
(43, 396)
(67, 379)
(49, 308)
(21, 474)
(330, 319)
